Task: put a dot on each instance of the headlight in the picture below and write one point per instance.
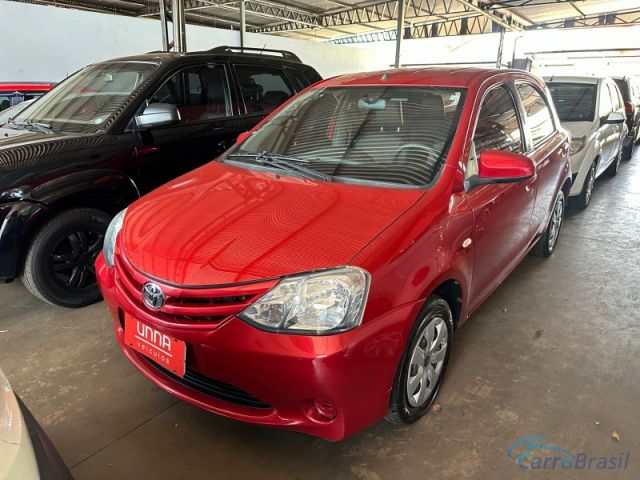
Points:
(314, 304)
(577, 144)
(15, 194)
(110, 237)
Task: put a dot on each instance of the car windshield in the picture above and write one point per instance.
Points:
(575, 102)
(84, 102)
(11, 112)
(381, 134)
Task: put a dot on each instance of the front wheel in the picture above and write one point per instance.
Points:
(582, 200)
(547, 243)
(424, 363)
(59, 266)
(614, 168)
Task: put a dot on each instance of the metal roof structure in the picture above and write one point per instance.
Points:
(357, 21)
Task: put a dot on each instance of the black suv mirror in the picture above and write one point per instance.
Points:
(158, 115)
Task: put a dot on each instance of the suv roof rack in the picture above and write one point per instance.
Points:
(259, 51)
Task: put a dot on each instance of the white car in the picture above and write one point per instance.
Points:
(25, 451)
(592, 109)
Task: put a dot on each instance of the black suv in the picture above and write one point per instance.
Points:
(630, 89)
(112, 132)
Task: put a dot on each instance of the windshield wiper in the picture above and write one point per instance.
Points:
(43, 127)
(292, 164)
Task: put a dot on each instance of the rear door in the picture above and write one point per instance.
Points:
(545, 146)
(502, 211)
(263, 88)
(608, 132)
(208, 124)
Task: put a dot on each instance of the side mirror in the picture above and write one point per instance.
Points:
(242, 137)
(498, 166)
(158, 115)
(613, 118)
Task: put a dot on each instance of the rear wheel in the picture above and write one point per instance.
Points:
(424, 363)
(59, 266)
(547, 243)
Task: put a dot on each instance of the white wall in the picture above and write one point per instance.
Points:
(43, 43)
(481, 49)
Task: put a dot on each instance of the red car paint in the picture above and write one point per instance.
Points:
(223, 231)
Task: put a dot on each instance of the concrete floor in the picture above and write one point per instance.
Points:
(553, 352)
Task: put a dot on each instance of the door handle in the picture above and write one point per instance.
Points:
(142, 151)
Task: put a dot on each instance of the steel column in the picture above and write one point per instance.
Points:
(164, 27)
(500, 48)
(179, 27)
(399, 31)
(243, 23)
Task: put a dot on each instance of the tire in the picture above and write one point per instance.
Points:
(59, 266)
(582, 200)
(408, 406)
(549, 239)
(612, 170)
(627, 151)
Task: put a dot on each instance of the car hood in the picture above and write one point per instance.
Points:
(223, 224)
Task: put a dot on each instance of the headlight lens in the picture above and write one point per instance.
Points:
(314, 304)
(577, 144)
(110, 237)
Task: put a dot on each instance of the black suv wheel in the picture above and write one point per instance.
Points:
(59, 266)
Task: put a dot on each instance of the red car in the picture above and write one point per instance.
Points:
(17, 92)
(312, 276)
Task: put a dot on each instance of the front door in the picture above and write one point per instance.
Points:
(502, 211)
(208, 125)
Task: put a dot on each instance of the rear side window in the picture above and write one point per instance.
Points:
(606, 104)
(263, 88)
(539, 118)
(498, 127)
(300, 82)
(624, 88)
(575, 102)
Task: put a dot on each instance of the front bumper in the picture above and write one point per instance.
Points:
(349, 374)
(50, 464)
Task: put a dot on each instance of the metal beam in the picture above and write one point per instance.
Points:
(386, 11)
(622, 17)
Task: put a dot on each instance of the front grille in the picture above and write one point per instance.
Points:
(207, 305)
(213, 388)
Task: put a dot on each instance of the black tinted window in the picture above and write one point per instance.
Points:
(539, 118)
(574, 102)
(300, 82)
(200, 93)
(624, 88)
(498, 127)
(263, 88)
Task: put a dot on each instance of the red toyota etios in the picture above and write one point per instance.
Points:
(312, 276)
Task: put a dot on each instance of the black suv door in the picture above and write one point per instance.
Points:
(209, 124)
(263, 88)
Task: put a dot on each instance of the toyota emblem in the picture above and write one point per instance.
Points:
(152, 296)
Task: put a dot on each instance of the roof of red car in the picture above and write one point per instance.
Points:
(26, 86)
(436, 76)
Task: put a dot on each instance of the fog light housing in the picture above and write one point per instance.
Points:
(323, 411)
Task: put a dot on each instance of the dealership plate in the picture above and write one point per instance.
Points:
(168, 352)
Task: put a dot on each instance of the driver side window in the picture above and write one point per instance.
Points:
(200, 93)
(498, 127)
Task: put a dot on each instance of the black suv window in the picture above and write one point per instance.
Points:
(200, 93)
(498, 127)
(263, 88)
(539, 118)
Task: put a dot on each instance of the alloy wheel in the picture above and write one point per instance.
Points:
(73, 257)
(591, 180)
(427, 361)
(556, 222)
